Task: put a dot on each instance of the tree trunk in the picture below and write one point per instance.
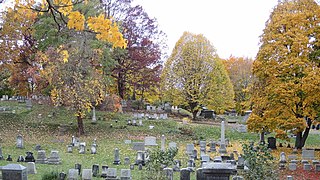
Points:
(80, 126)
(302, 137)
(194, 115)
(121, 85)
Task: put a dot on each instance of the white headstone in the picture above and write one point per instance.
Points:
(150, 141)
(31, 168)
(86, 174)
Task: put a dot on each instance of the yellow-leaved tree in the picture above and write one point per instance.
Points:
(194, 76)
(287, 89)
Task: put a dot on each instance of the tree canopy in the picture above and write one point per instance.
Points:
(287, 90)
(194, 76)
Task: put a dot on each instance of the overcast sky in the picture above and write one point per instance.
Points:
(232, 26)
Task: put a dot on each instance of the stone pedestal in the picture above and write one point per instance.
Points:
(218, 171)
(54, 158)
(41, 158)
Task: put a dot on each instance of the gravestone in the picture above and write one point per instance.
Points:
(172, 145)
(20, 159)
(54, 158)
(116, 157)
(37, 147)
(242, 128)
(41, 158)
(307, 167)
(94, 119)
(126, 160)
(307, 154)
(125, 174)
(29, 157)
(95, 170)
(14, 172)
(189, 149)
(240, 164)
(20, 142)
(140, 167)
(104, 171)
(78, 167)
(283, 157)
(9, 158)
(93, 149)
(237, 178)
(163, 141)
(138, 146)
(150, 141)
(292, 157)
(292, 166)
(191, 164)
(184, 174)
(221, 171)
(272, 143)
(31, 168)
(317, 167)
(73, 174)
(140, 122)
(140, 159)
(168, 172)
(203, 145)
(82, 148)
(1, 156)
(212, 145)
(177, 164)
(111, 173)
(217, 159)
(86, 174)
(69, 148)
(127, 141)
(222, 149)
(62, 176)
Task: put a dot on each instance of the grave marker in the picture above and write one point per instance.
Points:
(150, 141)
(14, 172)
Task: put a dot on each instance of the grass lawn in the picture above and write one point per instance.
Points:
(55, 126)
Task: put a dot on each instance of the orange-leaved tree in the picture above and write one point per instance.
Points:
(288, 81)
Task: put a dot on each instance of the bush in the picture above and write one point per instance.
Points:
(157, 161)
(53, 175)
(259, 161)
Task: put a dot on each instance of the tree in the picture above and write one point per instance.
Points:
(137, 67)
(240, 73)
(288, 80)
(195, 76)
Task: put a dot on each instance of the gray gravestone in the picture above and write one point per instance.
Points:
(1, 156)
(94, 119)
(73, 174)
(283, 157)
(172, 145)
(317, 167)
(125, 174)
(14, 172)
(189, 148)
(138, 146)
(222, 148)
(69, 148)
(54, 158)
(292, 157)
(116, 157)
(111, 173)
(20, 142)
(140, 159)
(126, 160)
(307, 167)
(150, 141)
(95, 170)
(184, 174)
(104, 171)
(168, 173)
(163, 142)
(127, 141)
(221, 171)
(212, 145)
(82, 148)
(308, 154)
(31, 168)
(41, 158)
(292, 166)
(86, 174)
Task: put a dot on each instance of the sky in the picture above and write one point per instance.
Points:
(232, 26)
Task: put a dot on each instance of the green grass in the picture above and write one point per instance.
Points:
(45, 131)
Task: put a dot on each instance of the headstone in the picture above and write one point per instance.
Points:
(29, 157)
(168, 172)
(73, 174)
(212, 145)
(191, 164)
(54, 158)
(272, 143)
(41, 158)
(20, 159)
(289, 178)
(131, 166)
(125, 174)
(111, 173)
(14, 172)
(127, 141)
(126, 160)
(163, 141)
(150, 141)
(138, 146)
(317, 167)
(172, 145)
(221, 171)
(237, 178)
(31, 168)
(292, 157)
(176, 167)
(62, 176)
(93, 149)
(307, 167)
(140, 167)
(95, 170)
(78, 167)
(217, 159)
(69, 148)
(104, 171)
(86, 174)
(189, 149)
(222, 148)
(195, 154)
(307, 154)
(94, 119)
(184, 174)
(283, 157)
(140, 159)
(20, 142)
(292, 166)
(242, 128)
(9, 158)
(37, 147)
(140, 122)
(1, 156)
(82, 148)
(240, 164)
(116, 157)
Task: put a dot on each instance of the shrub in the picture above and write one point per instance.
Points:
(259, 161)
(53, 175)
